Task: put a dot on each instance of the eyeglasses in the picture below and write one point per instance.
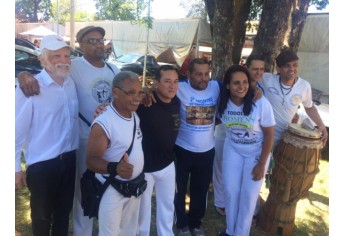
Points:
(95, 41)
(133, 94)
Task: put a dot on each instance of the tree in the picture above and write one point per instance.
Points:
(281, 23)
(222, 35)
(63, 14)
(196, 8)
(119, 9)
(33, 10)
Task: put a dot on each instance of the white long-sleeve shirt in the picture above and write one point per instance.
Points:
(46, 125)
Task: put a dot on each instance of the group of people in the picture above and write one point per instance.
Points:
(171, 141)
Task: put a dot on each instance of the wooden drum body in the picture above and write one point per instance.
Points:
(296, 164)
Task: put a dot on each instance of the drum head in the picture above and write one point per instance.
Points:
(298, 130)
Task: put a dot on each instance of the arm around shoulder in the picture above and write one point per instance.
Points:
(28, 84)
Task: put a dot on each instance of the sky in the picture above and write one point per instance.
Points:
(160, 9)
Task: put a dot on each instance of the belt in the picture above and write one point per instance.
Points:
(66, 155)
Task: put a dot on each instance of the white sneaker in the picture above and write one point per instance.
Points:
(198, 232)
(184, 232)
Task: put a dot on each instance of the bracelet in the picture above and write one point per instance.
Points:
(111, 167)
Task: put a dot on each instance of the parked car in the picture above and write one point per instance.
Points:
(135, 62)
(26, 59)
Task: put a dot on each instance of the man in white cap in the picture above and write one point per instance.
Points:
(93, 80)
(47, 131)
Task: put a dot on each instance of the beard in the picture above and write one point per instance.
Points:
(60, 70)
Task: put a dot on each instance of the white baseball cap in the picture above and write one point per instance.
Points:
(52, 43)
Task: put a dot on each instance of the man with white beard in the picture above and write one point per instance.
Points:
(47, 131)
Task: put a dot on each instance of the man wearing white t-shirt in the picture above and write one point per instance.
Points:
(194, 147)
(286, 91)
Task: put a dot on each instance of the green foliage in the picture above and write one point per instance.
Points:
(320, 4)
(119, 9)
(33, 10)
(63, 13)
(196, 8)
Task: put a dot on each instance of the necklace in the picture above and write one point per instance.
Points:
(282, 88)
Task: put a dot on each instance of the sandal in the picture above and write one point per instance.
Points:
(220, 211)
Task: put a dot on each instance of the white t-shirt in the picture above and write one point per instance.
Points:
(285, 106)
(93, 87)
(244, 133)
(197, 116)
(119, 131)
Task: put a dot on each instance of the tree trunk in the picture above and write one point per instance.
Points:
(210, 6)
(241, 10)
(298, 19)
(222, 37)
(272, 30)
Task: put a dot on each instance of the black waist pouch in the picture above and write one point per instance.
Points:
(134, 187)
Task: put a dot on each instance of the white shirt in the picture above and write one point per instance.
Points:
(46, 124)
(197, 116)
(285, 105)
(119, 131)
(93, 86)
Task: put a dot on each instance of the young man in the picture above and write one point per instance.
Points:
(159, 124)
(108, 152)
(47, 128)
(93, 78)
(286, 91)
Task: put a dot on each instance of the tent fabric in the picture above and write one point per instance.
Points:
(39, 31)
(179, 35)
(313, 53)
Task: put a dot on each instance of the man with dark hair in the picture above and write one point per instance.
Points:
(286, 91)
(194, 147)
(159, 124)
(92, 77)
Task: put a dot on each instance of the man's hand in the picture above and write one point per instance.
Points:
(257, 94)
(124, 168)
(295, 119)
(324, 137)
(100, 109)
(20, 180)
(149, 98)
(28, 84)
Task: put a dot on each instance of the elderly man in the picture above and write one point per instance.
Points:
(93, 78)
(114, 147)
(47, 128)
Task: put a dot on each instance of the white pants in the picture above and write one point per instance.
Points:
(241, 191)
(118, 215)
(217, 178)
(164, 183)
(82, 225)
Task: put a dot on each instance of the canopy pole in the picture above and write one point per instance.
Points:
(197, 41)
(147, 45)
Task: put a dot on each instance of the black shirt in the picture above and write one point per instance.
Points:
(159, 125)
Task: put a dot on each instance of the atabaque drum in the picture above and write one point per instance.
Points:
(296, 163)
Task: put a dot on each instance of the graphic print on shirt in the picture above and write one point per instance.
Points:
(101, 91)
(200, 115)
(241, 127)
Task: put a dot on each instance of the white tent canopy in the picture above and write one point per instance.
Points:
(39, 31)
(177, 35)
(313, 54)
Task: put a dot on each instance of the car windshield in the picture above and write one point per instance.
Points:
(129, 58)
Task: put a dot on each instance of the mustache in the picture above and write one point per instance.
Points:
(62, 66)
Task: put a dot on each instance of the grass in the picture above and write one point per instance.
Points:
(311, 218)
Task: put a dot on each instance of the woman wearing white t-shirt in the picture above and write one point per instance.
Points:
(249, 139)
